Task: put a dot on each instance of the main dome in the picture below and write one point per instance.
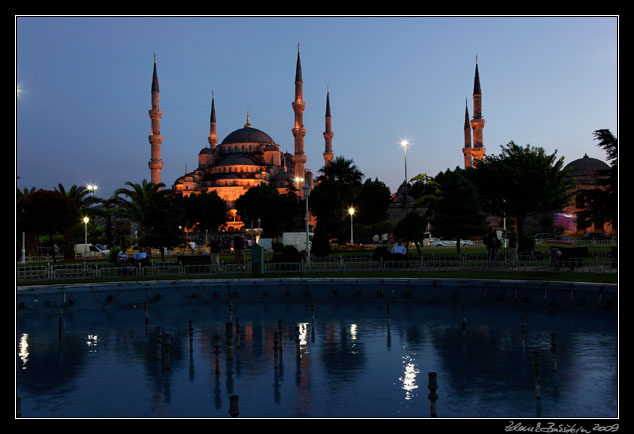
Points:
(248, 135)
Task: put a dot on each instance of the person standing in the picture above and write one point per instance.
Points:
(55, 251)
(513, 245)
(492, 243)
(214, 251)
(238, 246)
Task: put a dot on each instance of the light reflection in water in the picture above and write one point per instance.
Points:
(408, 379)
(92, 341)
(343, 368)
(24, 349)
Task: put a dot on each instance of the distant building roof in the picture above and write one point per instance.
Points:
(585, 166)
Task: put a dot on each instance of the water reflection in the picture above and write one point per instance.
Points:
(408, 379)
(332, 360)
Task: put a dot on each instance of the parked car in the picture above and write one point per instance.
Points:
(442, 242)
(544, 236)
(596, 236)
(90, 251)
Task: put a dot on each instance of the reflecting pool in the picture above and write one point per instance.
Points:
(366, 359)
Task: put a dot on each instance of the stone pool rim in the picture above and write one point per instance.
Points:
(506, 292)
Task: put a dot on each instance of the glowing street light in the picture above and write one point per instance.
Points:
(91, 188)
(405, 144)
(86, 219)
(351, 212)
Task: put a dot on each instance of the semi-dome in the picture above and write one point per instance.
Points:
(236, 160)
(247, 135)
(585, 166)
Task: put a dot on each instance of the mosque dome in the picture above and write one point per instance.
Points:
(236, 160)
(248, 135)
(585, 166)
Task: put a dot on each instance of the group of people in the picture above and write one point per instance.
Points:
(140, 258)
(493, 244)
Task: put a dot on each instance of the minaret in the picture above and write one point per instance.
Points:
(212, 139)
(155, 164)
(328, 133)
(477, 123)
(468, 159)
(299, 158)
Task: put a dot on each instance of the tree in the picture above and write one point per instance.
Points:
(337, 189)
(157, 212)
(411, 228)
(458, 210)
(519, 181)
(47, 212)
(601, 204)
(425, 191)
(205, 211)
(372, 202)
(277, 212)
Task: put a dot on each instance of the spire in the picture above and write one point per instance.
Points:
(476, 81)
(155, 84)
(298, 69)
(247, 125)
(213, 109)
(466, 115)
(328, 154)
(212, 139)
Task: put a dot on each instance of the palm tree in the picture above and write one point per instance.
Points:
(140, 202)
(82, 196)
(342, 171)
(159, 213)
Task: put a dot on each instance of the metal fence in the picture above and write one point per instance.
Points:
(598, 263)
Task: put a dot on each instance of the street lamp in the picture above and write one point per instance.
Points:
(86, 219)
(404, 144)
(306, 194)
(91, 188)
(351, 212)
(298, 180)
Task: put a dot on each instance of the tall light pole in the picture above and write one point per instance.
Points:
(86, 219)
(306, 194)
(351, 212)
(404, 144)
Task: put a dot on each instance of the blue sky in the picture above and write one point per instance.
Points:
(82, 110)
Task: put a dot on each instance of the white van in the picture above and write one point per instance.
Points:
(90, 251)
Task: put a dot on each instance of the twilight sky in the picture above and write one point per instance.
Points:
(84, 89)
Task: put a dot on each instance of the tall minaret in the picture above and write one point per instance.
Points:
(328, 154)
(155, 164)
(477, 123)
(299, 158)
(212, 139)
(468, 158)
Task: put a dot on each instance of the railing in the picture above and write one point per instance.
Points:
(598, 263)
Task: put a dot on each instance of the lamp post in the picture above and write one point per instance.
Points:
(86, 219)
(306, 194)
(404, 144)
(351, 212)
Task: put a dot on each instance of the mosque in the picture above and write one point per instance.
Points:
(246, 158)
(249, 157)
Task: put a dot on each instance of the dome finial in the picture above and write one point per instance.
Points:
(247, 125)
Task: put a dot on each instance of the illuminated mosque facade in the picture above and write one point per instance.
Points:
(245, 158)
